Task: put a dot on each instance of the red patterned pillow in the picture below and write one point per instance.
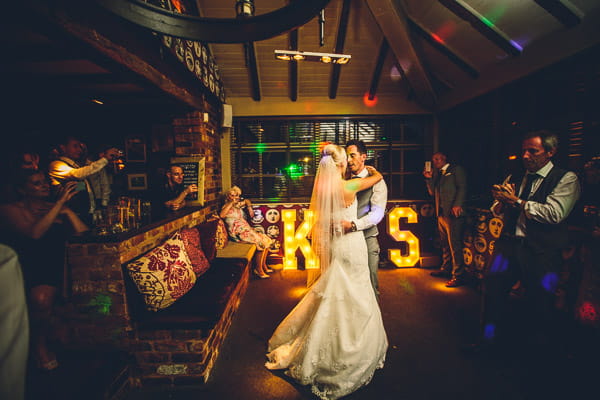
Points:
(221, 236)
(191, 240)
(208, 237)
(164, 274)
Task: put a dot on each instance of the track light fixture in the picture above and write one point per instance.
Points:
(327, 58)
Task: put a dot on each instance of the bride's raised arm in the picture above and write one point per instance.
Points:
(356, 185)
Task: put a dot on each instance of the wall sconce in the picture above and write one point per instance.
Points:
(244, 8)
(327, 58)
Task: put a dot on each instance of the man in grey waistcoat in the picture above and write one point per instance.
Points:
(371, 207)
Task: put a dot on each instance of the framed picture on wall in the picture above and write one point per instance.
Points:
(193, 173)
(135, 149)
(137, 181)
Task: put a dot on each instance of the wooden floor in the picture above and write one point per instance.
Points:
(426, 324)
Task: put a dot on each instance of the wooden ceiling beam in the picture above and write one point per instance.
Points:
(293, 66)
(562, 10)
(336, 69)
(106, 40)
(443, 48)
(392, 20)
(252, 65)
(383, 52)
(482, 25)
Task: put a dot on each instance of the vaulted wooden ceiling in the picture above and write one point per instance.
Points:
(432, 52)
(407, 55)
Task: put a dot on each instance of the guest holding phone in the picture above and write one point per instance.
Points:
(37, 229)
(70, 166)
(448, 185)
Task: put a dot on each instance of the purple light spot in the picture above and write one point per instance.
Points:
(499, 264)
(395, 75)
(516, 45)
(489, 331)
(550, 281)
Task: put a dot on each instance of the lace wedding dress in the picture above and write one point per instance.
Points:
(334, 338)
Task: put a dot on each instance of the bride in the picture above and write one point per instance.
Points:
(334, 338)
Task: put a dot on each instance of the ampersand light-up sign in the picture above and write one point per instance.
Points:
(297, 239)
(414, 253)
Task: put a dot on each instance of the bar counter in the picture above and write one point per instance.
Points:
(157, 220)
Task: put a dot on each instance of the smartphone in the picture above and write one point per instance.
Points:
(427, 166)
(80, 186)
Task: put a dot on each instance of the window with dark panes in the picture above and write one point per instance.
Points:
(276, 159)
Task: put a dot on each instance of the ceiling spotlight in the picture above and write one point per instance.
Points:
(326, 58)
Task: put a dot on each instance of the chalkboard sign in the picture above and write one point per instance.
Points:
(193, 173)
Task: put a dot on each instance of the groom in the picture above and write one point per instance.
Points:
(371, 207)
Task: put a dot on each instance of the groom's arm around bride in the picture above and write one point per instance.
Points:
(372, 203)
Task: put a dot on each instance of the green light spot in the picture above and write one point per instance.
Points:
(101, 303)
(353, 184)
(487, 22)
(260, 148)
(294, 171)
(495, 13)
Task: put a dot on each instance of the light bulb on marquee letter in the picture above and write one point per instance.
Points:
(297, 239)
(414, 252)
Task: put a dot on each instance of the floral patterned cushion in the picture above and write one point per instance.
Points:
(208, 238)
(164, 274)
(191, 240)
(221, 236)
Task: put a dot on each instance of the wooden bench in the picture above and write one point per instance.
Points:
(104, 310)
(179, 344)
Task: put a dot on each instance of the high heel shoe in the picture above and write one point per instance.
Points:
(261, 276)
(268, 270)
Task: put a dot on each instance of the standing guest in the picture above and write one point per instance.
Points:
(534, 235)
(173, 193)
(14, 325)
(100, 182)
(37, 230)
(240, 230)
(69, 167)
(448, 184)
(371, 207)
(334, 339)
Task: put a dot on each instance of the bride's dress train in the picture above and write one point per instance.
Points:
(334, 338)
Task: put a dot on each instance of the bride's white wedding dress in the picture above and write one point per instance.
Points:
(334, 338)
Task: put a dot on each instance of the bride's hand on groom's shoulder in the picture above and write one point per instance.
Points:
(372, 170)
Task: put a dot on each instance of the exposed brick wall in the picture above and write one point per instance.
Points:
(194, 136)
(98, 312)
(170, 357)
(97, 292)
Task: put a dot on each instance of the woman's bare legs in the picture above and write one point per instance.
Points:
(260, 259)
